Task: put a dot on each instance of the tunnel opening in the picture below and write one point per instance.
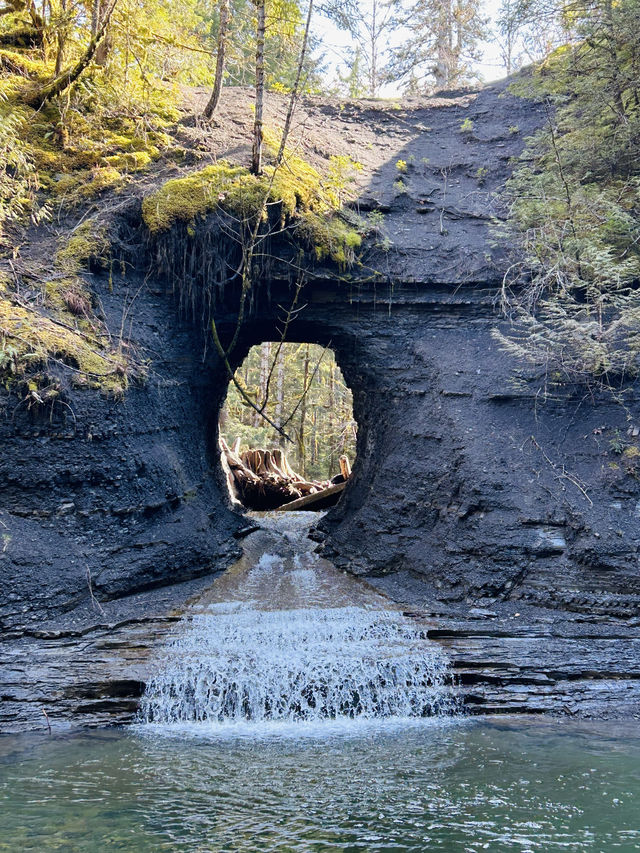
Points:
(286, 428)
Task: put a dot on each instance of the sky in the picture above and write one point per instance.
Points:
(335, 44)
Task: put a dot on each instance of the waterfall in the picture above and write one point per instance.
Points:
(286, 637)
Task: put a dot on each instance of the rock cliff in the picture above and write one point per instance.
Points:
(505, 514)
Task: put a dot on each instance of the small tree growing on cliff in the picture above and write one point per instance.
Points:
(256, 154)
(221, 51)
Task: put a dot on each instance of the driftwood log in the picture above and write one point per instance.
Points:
(264, 480)
(323, 499)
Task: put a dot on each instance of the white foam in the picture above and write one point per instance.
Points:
(290, 641)
(238, 663)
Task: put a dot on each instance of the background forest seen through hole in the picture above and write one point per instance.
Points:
(306, 394)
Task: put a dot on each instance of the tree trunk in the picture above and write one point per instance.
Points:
(61, 37)
(443, 69)
(303, 415)
(314, 437)
(265, 359)
(97, 11)
(617, 84)
(345, 466)
(295, 92)
(256, 156)
(96, 7)
(374, 52)
(59, 84)
(37, 20)
(280, 395)
(220, 60)
(332, 405)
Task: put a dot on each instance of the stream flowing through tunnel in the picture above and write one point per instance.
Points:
(285, 638)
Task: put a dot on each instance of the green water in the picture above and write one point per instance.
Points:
(429, 785)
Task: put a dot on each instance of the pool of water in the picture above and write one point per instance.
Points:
(420, 785)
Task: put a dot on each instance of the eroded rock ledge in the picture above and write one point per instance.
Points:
(472, 490)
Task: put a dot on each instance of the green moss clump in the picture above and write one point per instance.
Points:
(296, 187)
(89, 242)
(130, 161)
(232, 188)
(330, 237)
(19, 63)
(85, 184)
(102, 178)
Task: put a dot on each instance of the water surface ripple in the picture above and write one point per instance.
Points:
(435, 785)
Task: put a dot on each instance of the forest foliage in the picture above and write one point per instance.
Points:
(306, 394)
(574, 217)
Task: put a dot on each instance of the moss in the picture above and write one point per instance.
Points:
(130, 161)
(65, 183)
(329, 237)
(223, 185)
(61, 326)
(104, 148)
(121, 142)
(102, 178)
(48, 155)
(30, 340)
(68, 295)
(11, 88)
(295, 186)
(150, 143)
(89, 242)
(85, 184)
(19, 63)
(298, 189)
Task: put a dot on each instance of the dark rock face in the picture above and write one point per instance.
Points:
(118, 496)
(470, 490)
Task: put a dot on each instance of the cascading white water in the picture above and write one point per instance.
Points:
(292, 640)
(239, 663)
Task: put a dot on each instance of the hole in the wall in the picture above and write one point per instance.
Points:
(299, 388)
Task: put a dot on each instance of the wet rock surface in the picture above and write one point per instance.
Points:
(472, 491)
(503, 661)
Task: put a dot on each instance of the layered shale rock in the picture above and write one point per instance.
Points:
(472, 488)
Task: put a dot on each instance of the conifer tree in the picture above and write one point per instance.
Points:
(354, 82)
(369, 23)
(442, 46)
